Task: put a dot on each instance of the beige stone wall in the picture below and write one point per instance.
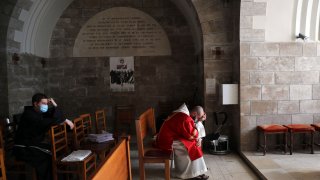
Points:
(279, 81)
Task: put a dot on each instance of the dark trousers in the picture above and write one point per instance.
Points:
(41, 161)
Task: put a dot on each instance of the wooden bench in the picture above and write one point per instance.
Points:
(150, 154)
(117, 165)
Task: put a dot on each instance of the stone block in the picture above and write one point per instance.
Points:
(253, 8)
(276, 63)
(252, 35)
(318, 49)
(248, 63)
(89, 12)
(316, 91)
(316, 118)
(274, 119)
(264, 49)
(248, 123)
(264, 107)
(288, 107)
(218, 66)
(244, 77)
(245, 108)
(291, 49)
(302, 118)
(275, 92)
(92, 3)
(309, 106)
(261, 77)
(215, 38)
(297, 77)
(300, 92)
(250, 92)
(246, 22)
(244, 49)
(307, 63)
(310, 49)
(77, 92)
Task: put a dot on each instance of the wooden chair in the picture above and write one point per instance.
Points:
(60, 149)
(101, 149)
(100, 121)
(2, 165)
(86, 123)
(117, 165)
(124, 115)
(149, 154)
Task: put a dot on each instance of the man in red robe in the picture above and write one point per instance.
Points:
(179, 133)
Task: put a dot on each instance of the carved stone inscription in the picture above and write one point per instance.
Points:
(121, 31)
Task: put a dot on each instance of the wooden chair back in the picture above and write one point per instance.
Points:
(144, 125)
(117, 164)
(100, 121)
(58, 134)
(124, 114)
(87, 123)
(59, 142)
(2, 155)
(151, 122)
(2, 165)
(78, 132)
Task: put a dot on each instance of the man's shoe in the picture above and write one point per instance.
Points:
(203, 176)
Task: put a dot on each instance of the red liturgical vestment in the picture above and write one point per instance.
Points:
(179, 126)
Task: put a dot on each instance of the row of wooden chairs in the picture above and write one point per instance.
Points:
(60, 149)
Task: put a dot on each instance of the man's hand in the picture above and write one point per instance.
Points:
(70, 123)
(199, 140)
(50, 100)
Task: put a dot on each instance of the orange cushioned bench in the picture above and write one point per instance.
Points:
(300, 128)
(271, 129)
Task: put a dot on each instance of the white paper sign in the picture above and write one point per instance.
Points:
(121, 74)
(210, 86)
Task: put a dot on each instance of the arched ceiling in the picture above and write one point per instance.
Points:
(41, 18)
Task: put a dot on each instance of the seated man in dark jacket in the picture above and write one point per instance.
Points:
(35, 122)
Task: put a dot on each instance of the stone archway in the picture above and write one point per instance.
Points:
(214, 27)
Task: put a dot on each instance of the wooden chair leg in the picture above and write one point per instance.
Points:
(167, 169)
(291, 142)
(312, 142)
(258, 140)
(141, 169)
(285, 142)
(265, 143)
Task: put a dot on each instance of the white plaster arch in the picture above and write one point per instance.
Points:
(41, 18)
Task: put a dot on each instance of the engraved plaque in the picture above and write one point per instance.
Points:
(121, 31)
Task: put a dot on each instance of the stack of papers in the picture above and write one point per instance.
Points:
(78, 155)
(100, 137)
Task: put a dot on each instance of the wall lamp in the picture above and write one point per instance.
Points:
(302, 36)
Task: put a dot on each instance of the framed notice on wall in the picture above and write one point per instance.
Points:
(121, 74)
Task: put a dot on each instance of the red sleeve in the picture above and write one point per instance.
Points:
(189, 130)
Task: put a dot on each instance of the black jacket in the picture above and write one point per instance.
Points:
(33, 125)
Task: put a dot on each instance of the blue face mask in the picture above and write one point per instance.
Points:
(43, 108)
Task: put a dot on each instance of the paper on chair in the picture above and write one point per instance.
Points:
(78, 155)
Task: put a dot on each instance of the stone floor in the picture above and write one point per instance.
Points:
(221, 167)
(277, 165)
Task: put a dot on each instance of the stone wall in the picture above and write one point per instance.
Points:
(6, 9)
(279, 81)
(82, 85)
(25, 78)
(219, 21)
